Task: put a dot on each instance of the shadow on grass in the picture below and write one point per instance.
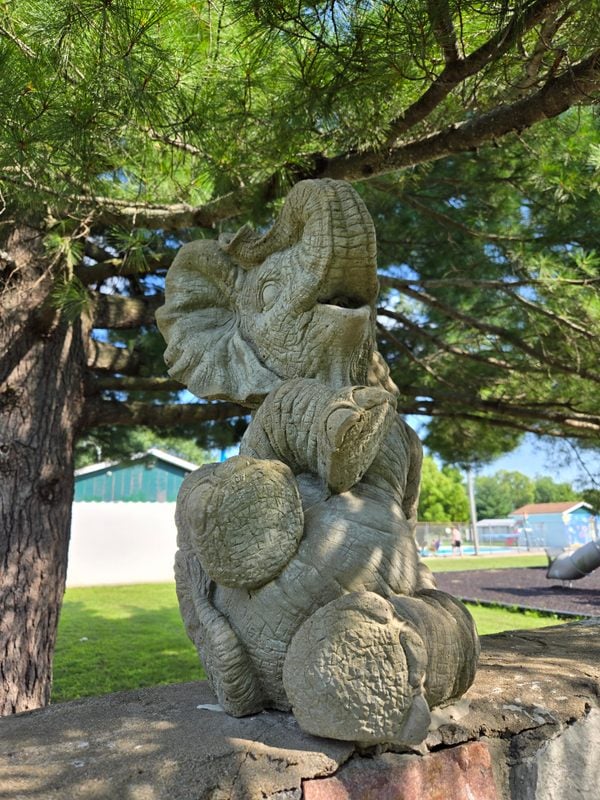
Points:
(100, 652)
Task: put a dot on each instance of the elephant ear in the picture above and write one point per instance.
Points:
(205, 349)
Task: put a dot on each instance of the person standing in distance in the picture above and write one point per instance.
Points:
(456, 540)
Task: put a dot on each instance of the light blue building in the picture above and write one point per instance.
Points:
(555, 524)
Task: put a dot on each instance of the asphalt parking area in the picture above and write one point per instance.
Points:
(526, 587)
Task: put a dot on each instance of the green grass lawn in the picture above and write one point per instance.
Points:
(455, 563)
(121, 637)
(125, 637)
(494, 619)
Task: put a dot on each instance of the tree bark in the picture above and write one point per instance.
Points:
(41, 398)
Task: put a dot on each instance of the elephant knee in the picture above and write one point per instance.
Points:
(355, 671)
(243, 519)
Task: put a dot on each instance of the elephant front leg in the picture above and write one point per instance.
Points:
(333, 433)
(239, 524)
(448, 631)
(228, 666)
(368, 669)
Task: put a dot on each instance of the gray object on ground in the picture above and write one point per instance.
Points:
(577, 564)
(298, 574)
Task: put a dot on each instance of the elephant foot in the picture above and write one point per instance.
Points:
(243, 519)
(226, 662)
(354, 671)
(354, 432)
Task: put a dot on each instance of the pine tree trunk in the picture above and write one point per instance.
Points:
(41, 399)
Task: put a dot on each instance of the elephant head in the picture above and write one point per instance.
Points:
(249, 311)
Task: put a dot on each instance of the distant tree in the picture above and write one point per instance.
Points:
(468, 441)
(499, 494)
(492, 499)
(547, 491)
(592, 496)
(443, 495)
(137, 440)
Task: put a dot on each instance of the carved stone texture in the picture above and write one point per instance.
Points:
(230, 497)
(298, 573)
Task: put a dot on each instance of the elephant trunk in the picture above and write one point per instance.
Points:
(327, 227)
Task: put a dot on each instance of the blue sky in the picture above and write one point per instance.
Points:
(561, 460)
(558, 458)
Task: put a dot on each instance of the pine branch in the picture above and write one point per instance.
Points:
(448, 221)
(543, 45)
(578, 84)
(429, 408)
(572, 423)
(116, 311)
(24, 48)
(176, 144)
(457, 70)
(113, 268)
(135, 383)
(108, 358)
(507, 289)
(106, 412)
(109, 266)
(539, 353)
(384, 333)
(478, 283)
(443, 29)
(444, 410)
(499, 422)
(558, 319)
(114, 212)
(419, 330)
(170, 218)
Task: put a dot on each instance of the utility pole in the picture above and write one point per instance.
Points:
(471, 492)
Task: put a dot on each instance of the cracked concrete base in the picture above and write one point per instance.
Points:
(528, 729)
(170, 742)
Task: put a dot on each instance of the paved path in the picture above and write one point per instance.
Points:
(527, 587)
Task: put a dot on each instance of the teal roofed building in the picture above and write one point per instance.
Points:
(150, 477)
(123, 521)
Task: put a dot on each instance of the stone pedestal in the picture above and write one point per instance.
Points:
(528, 729)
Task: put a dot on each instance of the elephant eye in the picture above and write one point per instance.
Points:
(270, 292)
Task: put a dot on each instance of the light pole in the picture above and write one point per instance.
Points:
(472, 509)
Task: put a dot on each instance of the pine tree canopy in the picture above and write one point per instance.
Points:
(128, 127)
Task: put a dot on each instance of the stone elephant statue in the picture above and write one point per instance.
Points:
(298, 573)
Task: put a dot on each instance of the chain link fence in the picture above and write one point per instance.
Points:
(436, 538)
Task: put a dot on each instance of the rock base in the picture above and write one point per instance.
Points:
(528, 729)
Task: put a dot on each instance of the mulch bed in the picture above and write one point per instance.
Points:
(526, 587)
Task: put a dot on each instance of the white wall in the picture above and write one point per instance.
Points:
(121, 543)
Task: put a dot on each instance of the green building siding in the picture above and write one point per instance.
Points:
(145, 481)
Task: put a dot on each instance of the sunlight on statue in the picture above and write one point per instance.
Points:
(298, 573)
